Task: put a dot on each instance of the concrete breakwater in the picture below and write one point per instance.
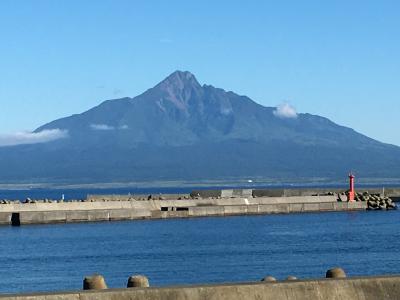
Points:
(357, 288)
(393, 193)
(41, 213)
(197, 204)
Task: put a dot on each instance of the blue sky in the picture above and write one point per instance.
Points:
(338, 59)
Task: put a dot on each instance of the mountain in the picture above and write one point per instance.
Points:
(181, 130)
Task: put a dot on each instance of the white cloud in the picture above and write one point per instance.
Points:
(107, 127)
(101, 127)
(285, 111)
(25, 137)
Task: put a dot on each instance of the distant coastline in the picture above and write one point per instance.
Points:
(206, 183)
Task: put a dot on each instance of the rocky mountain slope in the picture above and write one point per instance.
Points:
(182, 130)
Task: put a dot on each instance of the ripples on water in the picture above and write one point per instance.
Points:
(201, 250)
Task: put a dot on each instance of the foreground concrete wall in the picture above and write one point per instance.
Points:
(372, 288)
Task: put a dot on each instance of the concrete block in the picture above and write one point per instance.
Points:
(311, 206)
(340, 206)
(283, 208)
(231, 201)
(98, 215)
(42, 217)
(274, 208)
(253, 209)
(215, 211)
(198, 211)
(138, 281)
(353, 205)
(5, 218)
(241, 192)
(140, 213)
(77, 216)
(266, 209)
(156, 214)
(247, 193)
(235, 210)
(226, 193)
(177, 214)
(297, 199)
(296, 207)
(326, 206)
(120, 214)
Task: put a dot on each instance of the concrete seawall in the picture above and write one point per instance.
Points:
(361, 288)
(390, 192)
(119, 202)
(42, 213)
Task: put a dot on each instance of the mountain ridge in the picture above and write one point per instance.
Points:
(182, 129)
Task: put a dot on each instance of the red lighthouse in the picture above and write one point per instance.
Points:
(352, 193)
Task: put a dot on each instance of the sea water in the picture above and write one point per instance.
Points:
(199, 250)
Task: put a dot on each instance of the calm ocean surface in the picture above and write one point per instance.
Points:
(201, 250)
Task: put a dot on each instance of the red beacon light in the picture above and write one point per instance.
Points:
(351, 195)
